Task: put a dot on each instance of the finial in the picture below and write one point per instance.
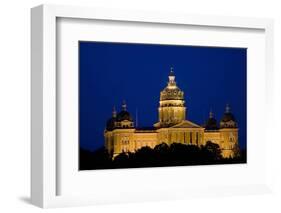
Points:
(114, 113)
(227, 108)
(211, 114)
(124, 105)
(172, 72)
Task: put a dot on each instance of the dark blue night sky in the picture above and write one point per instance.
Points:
(109, 73)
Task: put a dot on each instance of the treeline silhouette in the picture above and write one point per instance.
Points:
(176, 154)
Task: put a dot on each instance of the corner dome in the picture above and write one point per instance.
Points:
(228, 117)
(124, 115)
(211, 123)
(228, 120)
(110, 124)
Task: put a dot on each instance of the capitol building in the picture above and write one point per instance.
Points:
(173, 126)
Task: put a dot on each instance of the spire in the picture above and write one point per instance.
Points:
(172, 71)
(124, 106)
(227, 108)
(114, 113)
(211, 114)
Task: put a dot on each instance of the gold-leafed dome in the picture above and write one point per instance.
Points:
(171, 91)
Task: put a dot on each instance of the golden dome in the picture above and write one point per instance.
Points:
(171, 91)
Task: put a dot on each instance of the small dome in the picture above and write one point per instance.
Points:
(110, 124)
(124, 115)
(228, 120)
(211, 124)
(228, 116)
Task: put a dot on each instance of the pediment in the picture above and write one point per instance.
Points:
(186, 124)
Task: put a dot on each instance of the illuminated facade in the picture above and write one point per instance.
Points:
(121, 135)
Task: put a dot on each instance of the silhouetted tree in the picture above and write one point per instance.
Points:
(236, 151)
(176, 154)
(121, 160)
(162, 154)
(98, 159)
(214, 150)
(145, 157)
(162, 148)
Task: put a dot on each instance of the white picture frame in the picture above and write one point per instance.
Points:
(44, 154)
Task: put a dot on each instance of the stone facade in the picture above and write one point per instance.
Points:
(172, 127)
